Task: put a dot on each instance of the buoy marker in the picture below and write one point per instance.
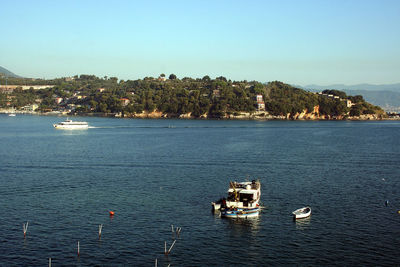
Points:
(111, 213)
(78, 249)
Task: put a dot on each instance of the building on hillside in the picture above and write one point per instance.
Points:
(260, 102)
(31, 107)
(349, 104)
(24, 87)
(125, 101)
(216, 93)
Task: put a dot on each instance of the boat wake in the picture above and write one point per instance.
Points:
(167, 127)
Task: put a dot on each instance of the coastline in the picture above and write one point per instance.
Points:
(260, 115)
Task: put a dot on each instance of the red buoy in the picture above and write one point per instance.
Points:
(111, 213)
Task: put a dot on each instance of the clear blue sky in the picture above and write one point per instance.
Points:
(299, 42)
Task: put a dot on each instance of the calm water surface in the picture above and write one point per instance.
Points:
(158, 173)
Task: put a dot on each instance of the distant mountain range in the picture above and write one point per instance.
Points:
(365, 87)
(8, 73)
(387, 96)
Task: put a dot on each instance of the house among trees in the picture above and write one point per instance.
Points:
(162, 78)
(125, 101)
(349, 104)
(58, 100)
(260, 102)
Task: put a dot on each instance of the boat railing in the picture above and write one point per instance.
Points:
(253, 185)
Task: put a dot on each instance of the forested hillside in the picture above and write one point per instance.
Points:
(205, 97)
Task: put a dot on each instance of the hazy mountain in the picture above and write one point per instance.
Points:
(365, 87)
(388, 100)
(8, 73)
(387, 96)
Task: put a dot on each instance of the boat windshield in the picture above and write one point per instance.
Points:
(246, 197)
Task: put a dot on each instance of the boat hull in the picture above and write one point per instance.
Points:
(240, 213)
(71, 127)
(302, 213)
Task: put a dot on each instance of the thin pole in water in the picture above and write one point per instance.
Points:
(172, 230)
(49, 262)
(78, 248)
(169, 250)
(25, 228)
(100, 228)
(155, 263)
(178, 231)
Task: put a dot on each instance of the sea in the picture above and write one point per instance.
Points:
(159, 177)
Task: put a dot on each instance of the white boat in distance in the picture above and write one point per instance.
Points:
(242, 201)
(301, 213)
(71, 125)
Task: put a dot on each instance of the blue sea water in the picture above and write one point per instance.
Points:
(158, 173)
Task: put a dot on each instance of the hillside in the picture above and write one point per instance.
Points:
(218, 98)
(6, 72)
(386, 96)
(388, 100)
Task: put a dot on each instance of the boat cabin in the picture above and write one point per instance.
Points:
(243, 195)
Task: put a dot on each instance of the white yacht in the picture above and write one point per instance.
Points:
(71, 125)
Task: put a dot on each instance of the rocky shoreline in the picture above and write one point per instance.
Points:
(259, 115)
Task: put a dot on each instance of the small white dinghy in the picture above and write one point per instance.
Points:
(301, 213)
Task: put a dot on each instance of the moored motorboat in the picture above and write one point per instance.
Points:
(71, 125)
(301, 213)
(242, 201)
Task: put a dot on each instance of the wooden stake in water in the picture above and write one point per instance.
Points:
(49, 262)
(25, 228)
(156, 263)
(78, 248)
(169, 250)
(100, 228)
(165, 247)
(178, 231)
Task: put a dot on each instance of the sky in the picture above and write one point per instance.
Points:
(299, 42)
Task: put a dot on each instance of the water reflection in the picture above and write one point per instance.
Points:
(73, 132)
(243, 227)
(303, 224)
